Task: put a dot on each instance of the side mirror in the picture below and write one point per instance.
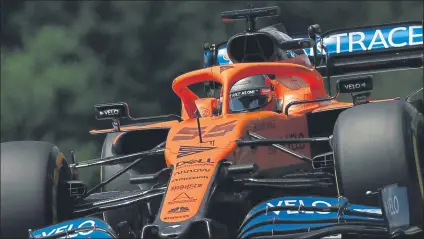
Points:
(359, 87)
(207, 107)
(118, 111)
(112, 111)
(355, 84)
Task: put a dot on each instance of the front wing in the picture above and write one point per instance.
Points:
(288, 217)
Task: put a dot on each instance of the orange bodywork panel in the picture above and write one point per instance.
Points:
(195, 163)
(195, 160)
(160, 125)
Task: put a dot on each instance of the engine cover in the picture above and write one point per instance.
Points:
(252, 47)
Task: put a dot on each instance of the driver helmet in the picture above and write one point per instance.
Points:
(252, 93)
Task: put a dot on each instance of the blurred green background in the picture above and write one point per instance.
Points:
(59, 58)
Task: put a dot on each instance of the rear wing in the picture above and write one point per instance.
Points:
(371, 48)
(358, 49)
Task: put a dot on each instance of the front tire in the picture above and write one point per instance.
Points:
(33, 187)
(375, 145)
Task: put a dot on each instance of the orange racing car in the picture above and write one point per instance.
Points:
(267, 128)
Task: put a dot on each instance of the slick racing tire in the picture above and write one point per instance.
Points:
(375, 145)
(33, 187)
(129, 214)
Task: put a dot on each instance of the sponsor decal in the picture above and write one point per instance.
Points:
(225, 56)
(355, 86)
(205, 112)
(190, 133)
(183, 198)
(392, 206)
(309, 202)
(75, 224)
(298, 146)
(176, 217)
(266, 91)
(224, 68)
(196, 170)
(244, 93)
(186, 186)
(111, 112)
(396, 207)
(195, 162)
(178, 210)
(190, 150)
(115, 110)
(222, 56)
(299, 203)
(264, 125)
(189, 178)
(371, 39)
(361, 98)
(299, 216)
(221, 129)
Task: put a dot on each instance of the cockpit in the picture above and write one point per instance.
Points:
(248, 94)
(246, 87)
(268, 44)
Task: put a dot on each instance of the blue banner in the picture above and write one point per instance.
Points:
(362, 40)
(299, 215)
(80, 223)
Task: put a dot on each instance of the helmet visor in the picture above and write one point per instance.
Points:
(249, 100)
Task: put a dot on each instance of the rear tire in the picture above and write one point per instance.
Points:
(374, 146)
(33, 187)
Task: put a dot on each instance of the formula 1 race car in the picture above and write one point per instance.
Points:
(268, 153)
